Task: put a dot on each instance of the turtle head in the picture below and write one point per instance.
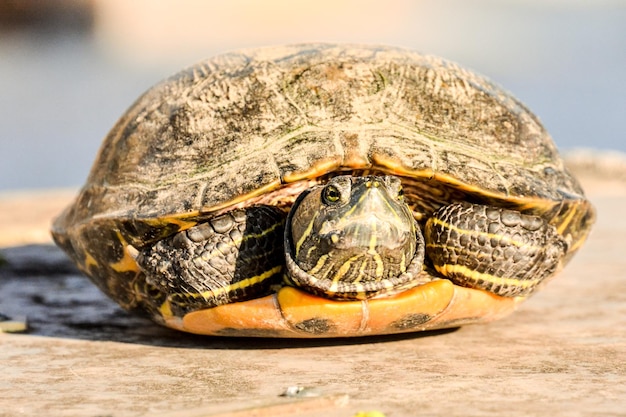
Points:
(352, 237)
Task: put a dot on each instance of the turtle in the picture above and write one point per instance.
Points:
(325, 190)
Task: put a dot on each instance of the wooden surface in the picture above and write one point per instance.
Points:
(562, 353)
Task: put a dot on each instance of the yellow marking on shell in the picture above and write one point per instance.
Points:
(576, 237)
(244, 283)
(578, 243)
(166, 310)
(178, 220)
(127, 263)
(274, 185)
(90, 261)
(506, 239)
(320, 168)
(350, 147)
(450, 270)
(565, 222)
(306, 233)
(391, 166)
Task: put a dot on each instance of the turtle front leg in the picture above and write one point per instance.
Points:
(498, 250)
(232, 257)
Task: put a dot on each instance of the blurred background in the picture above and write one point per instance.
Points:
(70, 68)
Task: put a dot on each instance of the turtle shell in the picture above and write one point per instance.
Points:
(259, 126)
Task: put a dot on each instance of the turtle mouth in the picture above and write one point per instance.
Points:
(364, 249)
(357, 274)
(361, 264)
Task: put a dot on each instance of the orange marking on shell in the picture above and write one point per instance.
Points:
(390, 165)
(344, 317)
(90, 261)
(427, 300)
(127, 263)
(169, 319)
(354, 160)
(567, 220)
(274, 185)
(354, 157)
(257, 314)
(178, 219)
(285, 313)
(320, 168)
(474, 306)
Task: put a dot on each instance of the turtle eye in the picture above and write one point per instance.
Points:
(331, 194)
(400, 194)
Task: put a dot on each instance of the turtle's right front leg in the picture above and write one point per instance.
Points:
(494, 249)
(232, 257)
